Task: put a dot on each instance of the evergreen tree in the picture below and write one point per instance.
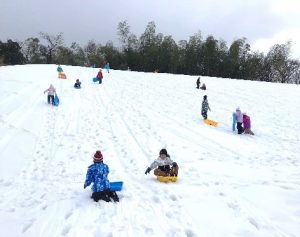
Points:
(10, 53)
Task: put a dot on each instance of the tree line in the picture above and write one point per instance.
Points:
(153, 51)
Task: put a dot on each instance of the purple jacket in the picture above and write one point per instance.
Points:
(239, 116)
(246, 121)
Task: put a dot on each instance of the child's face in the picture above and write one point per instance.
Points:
(162, 156)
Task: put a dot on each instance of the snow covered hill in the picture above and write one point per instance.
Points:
(228, 185)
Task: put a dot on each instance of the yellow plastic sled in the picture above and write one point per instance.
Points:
(210, 122)
(167, 178)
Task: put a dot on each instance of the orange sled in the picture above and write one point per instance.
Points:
(210, 122)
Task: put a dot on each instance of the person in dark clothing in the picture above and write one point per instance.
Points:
(77, 84)
(59, 69)
(203, 87)
(163, 165)
(198, 82)
(205, 107)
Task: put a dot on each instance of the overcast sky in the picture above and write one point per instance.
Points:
(263, 22)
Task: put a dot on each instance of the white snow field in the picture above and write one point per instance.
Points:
(228, 184)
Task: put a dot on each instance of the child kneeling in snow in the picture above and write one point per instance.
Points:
(163, 165)
(97, 174)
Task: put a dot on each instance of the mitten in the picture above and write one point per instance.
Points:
(148, 170)
(84, 186)
(174, 164)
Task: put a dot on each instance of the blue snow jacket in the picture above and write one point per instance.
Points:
(97, 174)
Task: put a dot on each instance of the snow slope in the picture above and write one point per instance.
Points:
(229, 184)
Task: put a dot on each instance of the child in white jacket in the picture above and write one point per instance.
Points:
(163, 165)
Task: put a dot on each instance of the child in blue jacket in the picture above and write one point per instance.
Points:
(97, 174)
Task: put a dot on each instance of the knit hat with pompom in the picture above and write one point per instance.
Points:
(98, 156)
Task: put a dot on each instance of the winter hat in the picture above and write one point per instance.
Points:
(163, 152)
(238, 109)
(205, 97)
(98, 156)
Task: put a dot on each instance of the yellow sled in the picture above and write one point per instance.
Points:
(210, 122)
(167, 178)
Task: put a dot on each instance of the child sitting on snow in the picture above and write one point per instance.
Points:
(97, 174)
(77, 84)
(203, 87)
(163, 165)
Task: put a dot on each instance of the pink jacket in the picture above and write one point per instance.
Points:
(51, 90)
(246, 121)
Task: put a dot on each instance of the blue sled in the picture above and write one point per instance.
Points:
(56, 101)
(233, 121)
(95, 79)
(116, 186)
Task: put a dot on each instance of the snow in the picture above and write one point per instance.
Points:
(228, 184)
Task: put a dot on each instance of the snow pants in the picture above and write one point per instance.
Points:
(204, 114)
(106, 195)
(51, 99)
(172, 172)
(239, 128)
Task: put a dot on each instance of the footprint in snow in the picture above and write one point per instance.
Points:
(44, 207)
(68, 214)
(156, 199)
(190, 233)
(27, 226)
(253, 222)
(66, 230)
(7, 183)
(173, 197)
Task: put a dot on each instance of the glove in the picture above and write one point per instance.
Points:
(148, 170)
(84, 186)
(174, 164)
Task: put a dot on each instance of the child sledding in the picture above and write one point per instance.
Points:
(77, 84)
(164, 167)
(61, 73)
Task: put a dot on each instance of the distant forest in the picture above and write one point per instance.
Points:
(154, 52)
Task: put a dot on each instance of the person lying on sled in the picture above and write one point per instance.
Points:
(163, 165)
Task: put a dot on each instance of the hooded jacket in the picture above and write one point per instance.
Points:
(97, 174)
(239, 116)
(246, 121)
(51, 90)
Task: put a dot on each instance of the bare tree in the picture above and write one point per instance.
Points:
(53, 42)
